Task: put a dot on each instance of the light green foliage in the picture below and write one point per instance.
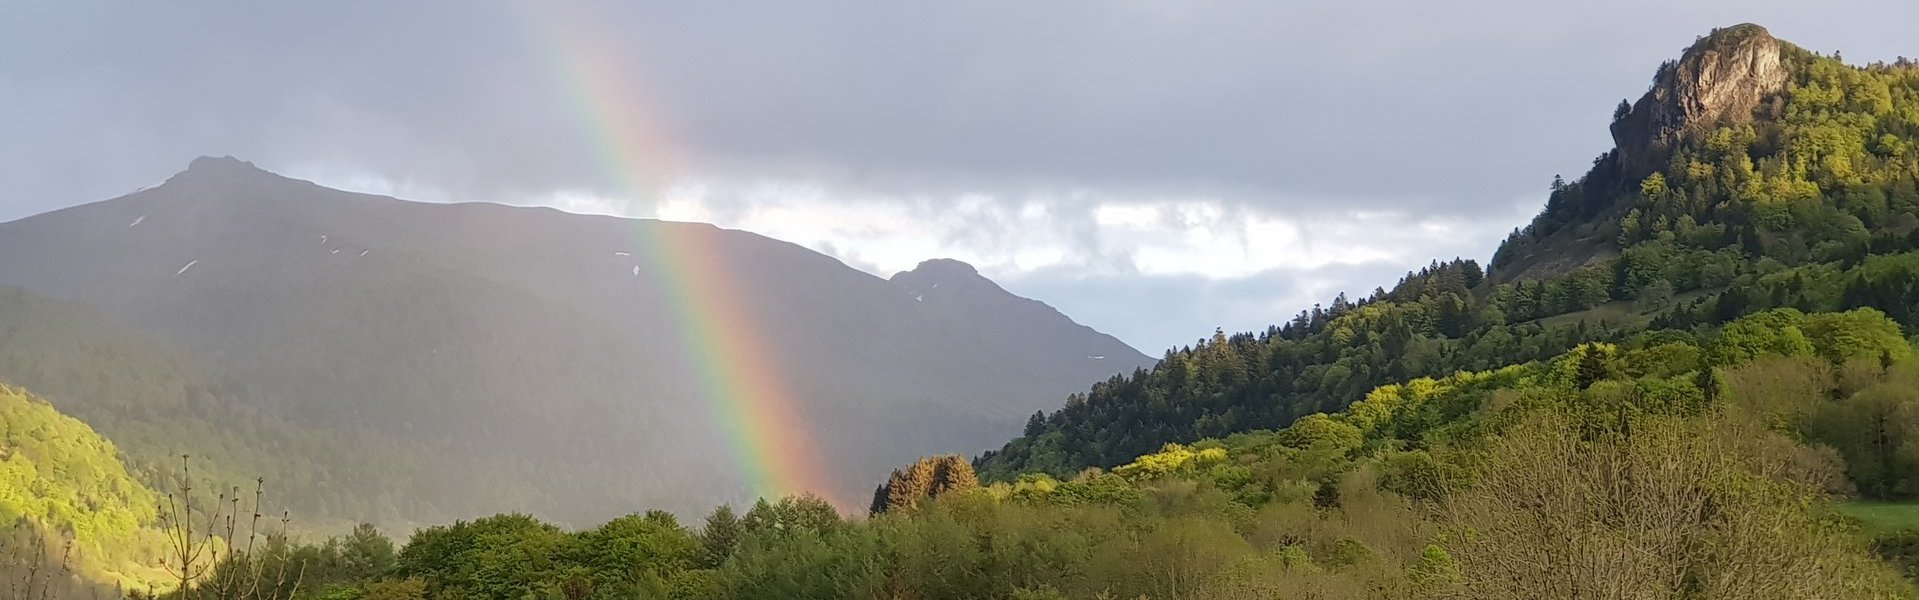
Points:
(635, 553)
(1884, 516)
(1771, 333)
(1435, 571)
(1174, 458)
(792, 514)
(505, 556)
(1320, 430)
(64, 479)
(1859, 333)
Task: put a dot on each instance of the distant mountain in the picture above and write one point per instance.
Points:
(530, 359)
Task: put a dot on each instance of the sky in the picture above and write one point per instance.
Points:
(1153, 168)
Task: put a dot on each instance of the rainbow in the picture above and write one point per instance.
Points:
(766, 431)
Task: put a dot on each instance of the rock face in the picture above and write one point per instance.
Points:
(1722, 77)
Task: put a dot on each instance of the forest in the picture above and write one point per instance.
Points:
(1700, 382)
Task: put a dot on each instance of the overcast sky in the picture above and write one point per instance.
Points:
(1155, 169)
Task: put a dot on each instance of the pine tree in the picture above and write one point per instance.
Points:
(1708, 383)
(718, 539)
(879, 497)
(1592, 367)
(1035, 424)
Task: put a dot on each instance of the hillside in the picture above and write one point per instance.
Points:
(60, 484)
(513, 358)
(1753, 174)
(1665, 466)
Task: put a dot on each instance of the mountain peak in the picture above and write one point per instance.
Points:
(928, 277)
(221, 164)
(943, 268)
(1723, 76)
(220, 168)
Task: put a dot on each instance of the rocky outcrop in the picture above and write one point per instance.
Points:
(1722, 77)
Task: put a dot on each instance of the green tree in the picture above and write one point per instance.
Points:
(719, 537)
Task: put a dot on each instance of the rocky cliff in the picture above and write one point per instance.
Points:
(1724, 76)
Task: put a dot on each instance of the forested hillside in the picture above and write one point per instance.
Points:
(1667, 465)
(71, 507)
(1754, 174)
(156, 403)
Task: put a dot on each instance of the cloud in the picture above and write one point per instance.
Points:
(1153, 271)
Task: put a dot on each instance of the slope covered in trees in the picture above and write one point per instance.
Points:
(72, 506)
(1702, 465)
(156, 403)
(1753, 175)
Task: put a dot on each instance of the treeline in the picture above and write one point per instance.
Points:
(1431, 324)
(1665, 465)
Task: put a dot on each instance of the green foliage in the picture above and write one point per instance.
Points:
(792, 514)
(719, 537)
(505, 556)
(1772, 333)
(66, 481)
(1883, 517)
(1608, 466)
(1860, 333)
(1173, 458)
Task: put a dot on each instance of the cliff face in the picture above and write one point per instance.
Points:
(1722, 77)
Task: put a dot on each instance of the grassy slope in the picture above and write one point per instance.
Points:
(1884, 516)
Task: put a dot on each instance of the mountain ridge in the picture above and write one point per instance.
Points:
(363, 312)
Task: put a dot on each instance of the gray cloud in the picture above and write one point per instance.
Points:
(1438, 109)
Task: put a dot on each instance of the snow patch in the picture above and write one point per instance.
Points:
(1097, 357)
(184, 269)
(363, 253)
(636, 270)
(622, 253)
(336, 251)
(919, 297)
(137, 221)
(323, 239)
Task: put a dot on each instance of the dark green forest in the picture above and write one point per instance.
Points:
(1680, 380)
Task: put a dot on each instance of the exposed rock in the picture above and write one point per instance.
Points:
(1723, 77)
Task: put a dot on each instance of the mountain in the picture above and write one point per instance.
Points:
(1672, 383)
(528, 359)
(1752, 175)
